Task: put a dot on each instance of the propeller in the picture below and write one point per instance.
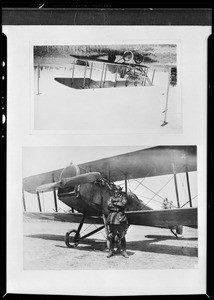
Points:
(48, 187)
(66, 182)
(80, 179)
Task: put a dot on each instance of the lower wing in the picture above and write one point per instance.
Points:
(62, 217)
(166, 218)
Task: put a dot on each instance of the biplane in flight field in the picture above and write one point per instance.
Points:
(86, 188)
(127, 71)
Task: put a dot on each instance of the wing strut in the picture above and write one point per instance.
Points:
(39, 202)
(84, 75)
(90, 72)
(167, 97)
(176, 186)
(126, 186)
(104, 80)
(146, 77)
(101, 80)
(55, 198)
(115, 79)
(73, 71)
(23, 197)
(153, 75)
(188, 187)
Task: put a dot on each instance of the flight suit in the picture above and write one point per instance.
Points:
(117, 221)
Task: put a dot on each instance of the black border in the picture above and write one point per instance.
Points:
(3, 157)
(105, 15)
(210, 169)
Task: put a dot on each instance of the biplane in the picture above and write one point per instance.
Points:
(86, 188)
(111, 71)
(127, 70)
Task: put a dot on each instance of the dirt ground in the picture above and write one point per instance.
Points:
(147, 247)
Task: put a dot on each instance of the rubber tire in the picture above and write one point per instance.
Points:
(179, 229)
(75, 240)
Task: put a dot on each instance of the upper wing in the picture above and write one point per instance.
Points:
(166, 218)
(148, 162)
(31, 183)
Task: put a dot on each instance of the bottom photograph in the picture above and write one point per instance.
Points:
(90, 208)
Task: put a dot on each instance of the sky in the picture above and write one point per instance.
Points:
(151, 190)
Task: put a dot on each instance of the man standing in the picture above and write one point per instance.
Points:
(117, 221)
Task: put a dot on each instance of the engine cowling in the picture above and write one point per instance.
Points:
(70, 171)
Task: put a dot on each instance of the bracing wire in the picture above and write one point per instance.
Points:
(194, 197)
(189, 201)
(157, 193)
(139, 183)
(100, 232)
(141, 196)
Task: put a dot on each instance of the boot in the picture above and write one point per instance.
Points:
(111, 253)
(125, 254)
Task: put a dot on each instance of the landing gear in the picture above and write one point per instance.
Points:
(73, 238)
(178, 230)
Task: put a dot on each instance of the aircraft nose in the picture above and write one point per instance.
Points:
(70, 171)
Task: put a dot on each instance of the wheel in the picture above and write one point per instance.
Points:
(72, 238)
(179, 229)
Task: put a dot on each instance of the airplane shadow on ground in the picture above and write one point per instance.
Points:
(149, 245)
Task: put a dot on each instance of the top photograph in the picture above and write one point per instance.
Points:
(106, 88)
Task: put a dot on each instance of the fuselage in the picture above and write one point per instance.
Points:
(92, 199)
